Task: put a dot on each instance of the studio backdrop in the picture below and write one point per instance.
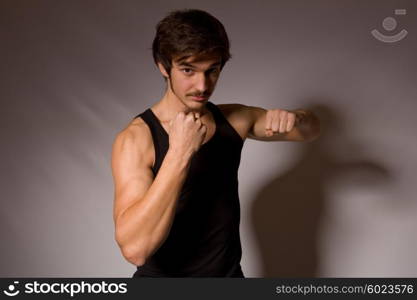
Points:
(74, 73)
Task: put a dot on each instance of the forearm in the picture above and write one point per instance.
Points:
(307, 124)
(144, 226)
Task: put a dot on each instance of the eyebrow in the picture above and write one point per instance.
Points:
(185, 64)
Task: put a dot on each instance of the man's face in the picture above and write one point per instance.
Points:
(193, 79)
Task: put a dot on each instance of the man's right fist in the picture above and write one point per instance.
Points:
(186, 133)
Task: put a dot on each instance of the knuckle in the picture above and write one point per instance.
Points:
(189, 118)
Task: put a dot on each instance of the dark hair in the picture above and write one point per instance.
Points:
(183, 33)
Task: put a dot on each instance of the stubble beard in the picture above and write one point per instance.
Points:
(188, 108)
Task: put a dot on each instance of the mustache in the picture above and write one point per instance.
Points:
(199, 94)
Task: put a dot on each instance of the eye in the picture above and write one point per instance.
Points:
(213, 71)
(187, 71)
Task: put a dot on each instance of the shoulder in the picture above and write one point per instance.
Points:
(235, 110)
(239, 116)
(136, 138)
(136, 133)
(232, 108)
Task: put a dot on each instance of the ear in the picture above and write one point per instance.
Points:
(163, 71)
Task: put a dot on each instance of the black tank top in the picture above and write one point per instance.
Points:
(204, 239)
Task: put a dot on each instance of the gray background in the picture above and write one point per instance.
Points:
(74, 73)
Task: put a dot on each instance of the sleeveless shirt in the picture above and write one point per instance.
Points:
(204, 239)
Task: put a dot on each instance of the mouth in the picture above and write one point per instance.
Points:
(199, 98)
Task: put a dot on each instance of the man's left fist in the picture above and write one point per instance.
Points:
(279, 121)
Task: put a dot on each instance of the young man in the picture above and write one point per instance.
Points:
(175, 166)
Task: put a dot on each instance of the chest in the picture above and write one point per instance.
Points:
(240, 125)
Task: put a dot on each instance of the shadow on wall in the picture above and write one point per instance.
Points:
(287, 211)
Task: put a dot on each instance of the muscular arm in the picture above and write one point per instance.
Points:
(144, 206)
(252, 122)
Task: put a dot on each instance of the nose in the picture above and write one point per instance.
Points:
(201, 83)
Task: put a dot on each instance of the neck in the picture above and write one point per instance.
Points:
(170, 105)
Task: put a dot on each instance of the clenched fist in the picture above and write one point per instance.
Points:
(280, 121)
(186, 133)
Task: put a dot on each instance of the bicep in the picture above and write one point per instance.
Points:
(132, 174)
